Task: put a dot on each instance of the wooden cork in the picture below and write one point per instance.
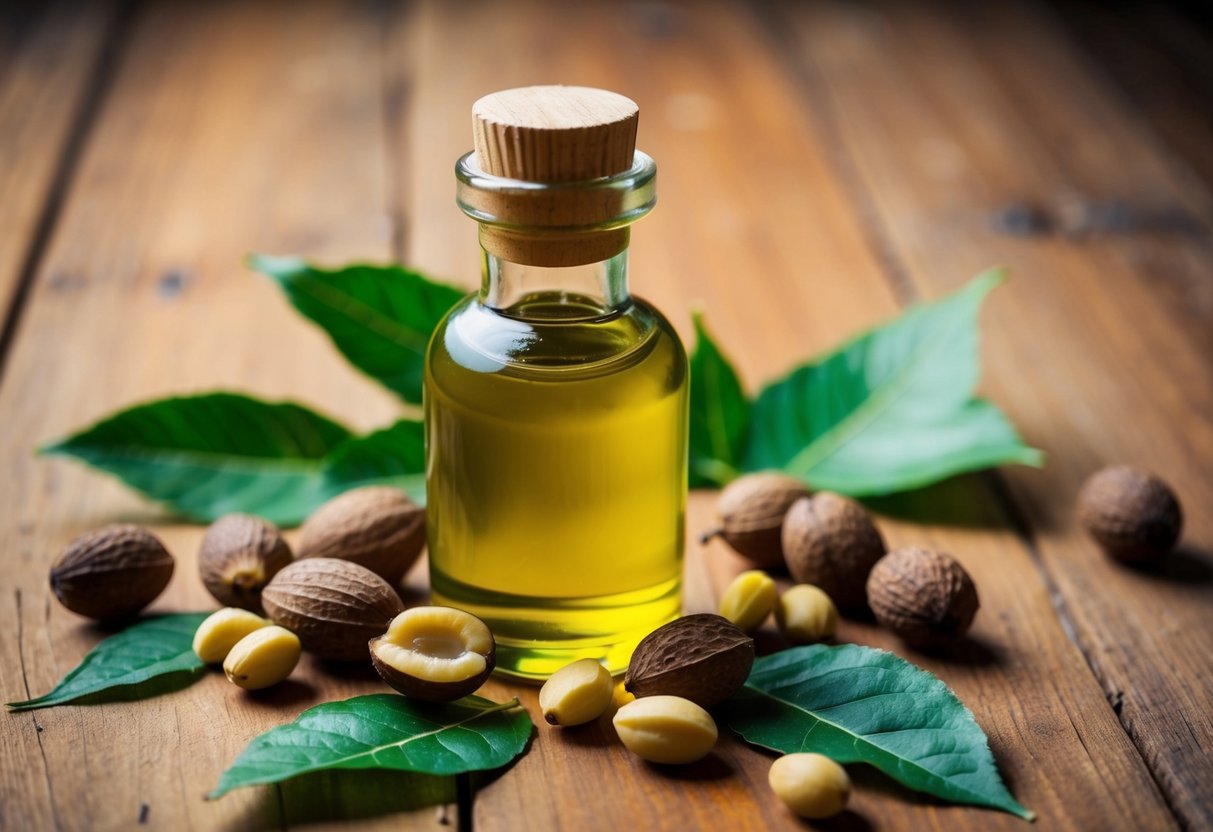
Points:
(554, 135)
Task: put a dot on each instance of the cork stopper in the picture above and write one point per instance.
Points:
(554, 133)
(579, 141)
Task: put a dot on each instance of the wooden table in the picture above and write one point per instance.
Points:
(822, 166)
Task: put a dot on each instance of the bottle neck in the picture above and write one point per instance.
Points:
(521, 291)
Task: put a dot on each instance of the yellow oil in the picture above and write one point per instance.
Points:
(556, 466)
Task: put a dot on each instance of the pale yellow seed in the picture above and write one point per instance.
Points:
(262, 658)
(665, 729)
(805, 614)
(812, 785)
(576, 693)
(216, 636)
(749, 599)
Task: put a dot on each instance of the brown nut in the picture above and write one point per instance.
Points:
(1132, 514)
(704, 658)
(751, 511)
(240, 553)
(375, 526)
(334, 606)
(111, 573)
(436, 654)
(924, 596)
(831, 542)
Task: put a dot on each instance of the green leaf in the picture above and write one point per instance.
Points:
(215, 453)
(720, 413)
(385, 731)
(891, 410)
(121, 666)
(392, 456)
(379, 317)
(859, 705)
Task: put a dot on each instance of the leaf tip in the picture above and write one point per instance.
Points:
(279, 268)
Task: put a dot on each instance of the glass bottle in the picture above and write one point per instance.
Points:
(555, 402)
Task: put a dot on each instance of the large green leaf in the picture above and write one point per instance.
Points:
(215, 453)
(379, 317)
(720, 413)
(385, 731)
(859, 705)
(392, 456)
(891, 410)
(147, 658)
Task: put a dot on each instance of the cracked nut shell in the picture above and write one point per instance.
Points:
(831, 542)
(240, 553)
(334, 606)
(111, 573)
(1132, 514)
(924, 596)
(376, 526)
(435, 654)
(751, 511)
(703, 657)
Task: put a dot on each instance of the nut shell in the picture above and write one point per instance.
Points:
(751, 511)
(240, 553)
(334, 606)
(704, 658)
(831, 542)
(470, 664)
(924, 596)
(1132, 514)
(111, 573)
(376, 526)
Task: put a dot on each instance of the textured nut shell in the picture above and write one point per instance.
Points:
(111, 573)
(751, 510)
(334, 606)
(703, 658)
(924, 596)
(240, 553)
(376, 527)
(1132, 514)
(831, 542)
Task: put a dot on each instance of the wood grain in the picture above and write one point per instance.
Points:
(1100, 348)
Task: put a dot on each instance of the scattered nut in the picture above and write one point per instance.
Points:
(751, 511)
(216, 636)
(334, 606)
(666, 729)
(437, 654)
(703, 658)
(1132, 514)
(111, 573)
(812, 785)
(831, 542)
(806, 615)
(576, 693)
(239, 555)
(262, 658)
(924, 596)
(375, 526)
(749, 599)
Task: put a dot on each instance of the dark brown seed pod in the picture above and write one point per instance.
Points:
(1132, 514)
(704, 658)
(751, 511)
(375, 526)
(240, 554)
(112, 573)
(924, 596)
(436, 654)
(830, 541)
(334, 606)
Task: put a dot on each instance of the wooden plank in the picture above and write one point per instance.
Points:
(230, 127)
(48, 56)
(755, 222)
(1100, 349)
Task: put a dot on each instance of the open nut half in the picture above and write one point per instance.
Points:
(437, 654)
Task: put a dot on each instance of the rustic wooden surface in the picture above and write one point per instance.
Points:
(822, 165)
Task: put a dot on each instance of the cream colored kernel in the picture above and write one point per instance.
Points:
(666, 729)
(262, 658)
(812, 785)
(577, 693)
(220, 631)
(749, 599)
(805, 614)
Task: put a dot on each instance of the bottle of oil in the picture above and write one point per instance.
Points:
(555, 402)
